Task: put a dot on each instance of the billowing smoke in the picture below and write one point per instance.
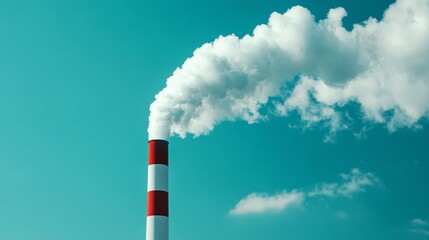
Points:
(294, 63)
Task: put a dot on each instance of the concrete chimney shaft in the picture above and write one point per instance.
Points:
(157, 191)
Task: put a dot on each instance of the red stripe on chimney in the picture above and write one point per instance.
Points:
(157, 203)
(158, 152)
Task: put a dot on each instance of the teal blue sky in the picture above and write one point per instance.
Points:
(76, 81)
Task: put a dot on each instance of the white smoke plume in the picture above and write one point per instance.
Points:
(294, 63)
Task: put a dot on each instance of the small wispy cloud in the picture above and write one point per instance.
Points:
(258, 203)
(342, 215)
(262, 202)
(420, 227)
(325, 189)
(353, 182)
(420, 231)
(419, 222)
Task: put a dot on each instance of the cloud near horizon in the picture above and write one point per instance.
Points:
(296, 64)
(419, 222)
(420, 226)
(258, 203)
(420, 231)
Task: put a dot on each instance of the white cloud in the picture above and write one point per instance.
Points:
(254, 203)
(342, 215)
(420, 231)
(419, 227)
(356, 181)
(381, 65)
(419, 222)
(353, 182)
(326, 189)
(263, 203)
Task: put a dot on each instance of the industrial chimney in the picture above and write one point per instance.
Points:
(157, 191)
